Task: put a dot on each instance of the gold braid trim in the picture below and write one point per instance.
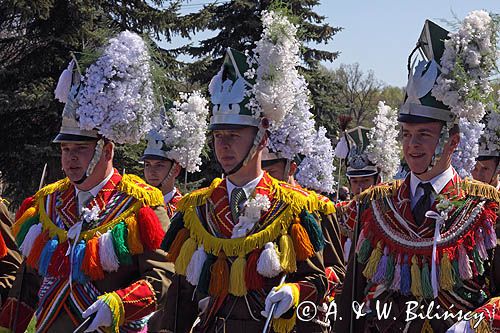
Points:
(378, 192)
(235, 246)
(479, 189)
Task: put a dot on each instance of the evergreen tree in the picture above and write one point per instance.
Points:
(36, 38)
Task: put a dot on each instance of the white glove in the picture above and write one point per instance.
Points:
(283, 299)
(462, 326)
(103, 317)
(203, 304)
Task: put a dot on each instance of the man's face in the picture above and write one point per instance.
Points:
(359, 184)
(485, 171)
(232, 146)
(75, 158)
(277, 170)
(155, 171)
(419, 144)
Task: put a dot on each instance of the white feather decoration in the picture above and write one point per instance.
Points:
(64, 83)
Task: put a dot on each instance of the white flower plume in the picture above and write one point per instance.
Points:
(116, 97)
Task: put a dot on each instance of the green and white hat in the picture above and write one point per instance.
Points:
(420, 106)
(357, 160)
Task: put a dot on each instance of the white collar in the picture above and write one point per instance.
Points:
(168, 196)
(95, 190)
(438, 182)
(248, 187)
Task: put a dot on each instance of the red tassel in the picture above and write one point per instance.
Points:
(253, 279)
(27, 203)
(150, 228)
(59, 263)
(3, 247)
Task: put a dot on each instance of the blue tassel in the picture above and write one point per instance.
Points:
(46, 256)
(405, 277)
(313, 230)
(78, 254)
(176, 224)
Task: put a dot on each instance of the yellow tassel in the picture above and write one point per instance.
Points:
(426, 327)
(29, 213)
(176, 246)
(237, 285)
(117, 310)
(416, 279)
(480, 189)
(446, 274)
(187, 251)
(288, 259)
(147, 195)
(482, 327)
(281, 325)
(371, 266)
(133, 236)
(60, 185)
(379, 191)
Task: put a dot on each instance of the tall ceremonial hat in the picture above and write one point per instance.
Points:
(352, 147)
(420, 106)
(179, 132)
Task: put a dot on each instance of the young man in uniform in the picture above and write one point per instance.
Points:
(421, 245)
(92, 240)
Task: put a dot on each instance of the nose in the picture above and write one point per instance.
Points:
(414, 140)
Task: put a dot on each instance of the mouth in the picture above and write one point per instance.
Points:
(416, 155)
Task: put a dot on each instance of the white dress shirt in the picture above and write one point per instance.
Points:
(93, 191)
(248, 187)
(438, 183)
(167, 197)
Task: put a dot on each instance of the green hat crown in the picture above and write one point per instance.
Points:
(231, 91)
(358, 163)
(420, 105)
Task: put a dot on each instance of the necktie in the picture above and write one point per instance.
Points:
(83, 199)
(423, 204)
(237, 197)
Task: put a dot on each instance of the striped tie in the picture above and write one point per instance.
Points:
(237, 197)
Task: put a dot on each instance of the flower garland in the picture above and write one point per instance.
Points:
(185, 130)
(317, 169)
(117, 92)
(251, 215)
(384, 149)
(490, 140)
(469, 59)
(277, 56)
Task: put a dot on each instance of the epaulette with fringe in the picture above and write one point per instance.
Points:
(479, 189)
(378, 192)
(98, 250)
(290, 235)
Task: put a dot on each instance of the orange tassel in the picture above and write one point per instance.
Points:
(30, 212)
(36, 250)
(253, 279)
(133, 237)
(175, 248)
(301, 241)
(219, 279)
(91, 264)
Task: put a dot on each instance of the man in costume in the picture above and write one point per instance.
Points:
(487, 168)
(10, 258)
(421, 245)
(168, 150)
(91, 240)
(225, 239)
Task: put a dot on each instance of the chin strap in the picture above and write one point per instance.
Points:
(286, 172)
(253, 149)
(93, 162)
(444, 136)
(169, 174)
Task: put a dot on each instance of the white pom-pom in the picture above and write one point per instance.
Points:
(341, 150)
(268, 264)
(64, 84)
(109, 261)
(193, 270)
(29, 240)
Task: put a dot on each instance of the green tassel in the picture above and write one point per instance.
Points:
(389, 271)
(119, 233)
(364, 251)
(478, 262)
(23, 231)
(313, 230)
(176, 224)
(456, 275)
(204, 281)
(426, 281)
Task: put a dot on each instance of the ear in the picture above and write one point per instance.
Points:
(293, 169)
(177, 170)
(454, 140)
(108, 151)
(263, 142)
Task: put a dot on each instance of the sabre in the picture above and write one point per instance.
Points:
(86, 323)
(267, 326)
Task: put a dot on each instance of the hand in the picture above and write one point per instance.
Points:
(203, 305)
(103, 317)
(284, 299)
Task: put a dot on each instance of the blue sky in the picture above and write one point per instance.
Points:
(380, 34)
